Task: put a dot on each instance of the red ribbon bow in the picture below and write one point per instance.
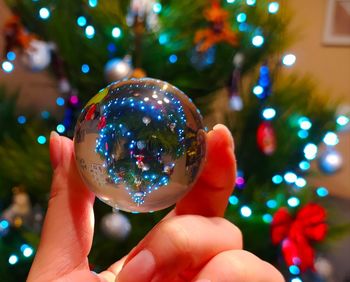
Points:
(297, 234)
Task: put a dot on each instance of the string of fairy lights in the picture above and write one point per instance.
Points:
(25, 251)
(294, 178)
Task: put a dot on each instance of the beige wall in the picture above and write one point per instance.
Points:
(330, 65)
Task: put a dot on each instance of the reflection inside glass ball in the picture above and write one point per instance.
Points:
(139, 144)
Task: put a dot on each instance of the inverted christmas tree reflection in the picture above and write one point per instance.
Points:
(147, 131)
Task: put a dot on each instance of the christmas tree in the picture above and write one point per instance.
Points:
(232, 50)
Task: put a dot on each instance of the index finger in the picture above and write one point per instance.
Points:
(209, 195)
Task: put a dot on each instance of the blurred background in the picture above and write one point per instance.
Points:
(275, 72)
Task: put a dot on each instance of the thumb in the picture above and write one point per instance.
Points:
(68, 227)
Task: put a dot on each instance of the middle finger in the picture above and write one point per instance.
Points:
(178, 245)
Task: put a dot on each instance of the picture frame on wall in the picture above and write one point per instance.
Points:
(337, 23)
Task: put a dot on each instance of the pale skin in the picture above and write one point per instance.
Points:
(192, 243)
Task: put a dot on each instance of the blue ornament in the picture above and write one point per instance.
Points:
(263, 89)
(139, 144)
(330, 161)
(202, 60)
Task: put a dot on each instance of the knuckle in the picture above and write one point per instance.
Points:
(230, 229)
(276, 276)
(268, 272)
(231, 266)
(177, 235)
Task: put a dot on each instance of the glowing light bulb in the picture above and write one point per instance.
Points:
(13, 259)
(246, 211)
(258, 40)
(7, 66)
(4, 224)
(269, 113)
(241, 17)
(60, 128)
(44, 13)
(21, 119)
(289, 60)
(304, 123)
(41, 140)
(293, 202)
(273, 7)
(157, 8)
(272, 204)
(81, 21)
(342, 120)
(300, 182)
(26, 250)
(258, 90)
(293, 269)
(233, 200)
(310, 151)
(90, 31)
(116, 32)
(331, 139)
(322, 192)
(304, 165)
(11, 56)
(277, 179)
(173, 59)
(290, 177)
(93, 3)
(250, 2)
(163, 39)
(302, 134)
(60, 101)
(85, 68)
(267, 218)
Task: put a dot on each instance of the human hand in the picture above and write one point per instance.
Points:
(190, 244)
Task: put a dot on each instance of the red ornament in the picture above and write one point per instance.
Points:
(266, 138)
(90, 115)
(297, 234)
(139, 161)
(102, 123)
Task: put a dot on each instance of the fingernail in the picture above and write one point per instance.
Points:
(55, 149)
(223, 127)
(54, 135)
(139, 268)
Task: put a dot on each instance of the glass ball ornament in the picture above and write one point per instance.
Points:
(140, 144)
(115, 225)
(118, 69)
(330, 161)
(37, 56)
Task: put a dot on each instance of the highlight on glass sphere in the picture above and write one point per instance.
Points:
(140, 144)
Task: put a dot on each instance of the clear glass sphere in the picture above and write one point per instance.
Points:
(139, 144)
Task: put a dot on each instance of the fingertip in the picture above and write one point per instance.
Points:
(209, 195)
(141, 267)
(220, 149)
(222, 133)
(55, 149)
